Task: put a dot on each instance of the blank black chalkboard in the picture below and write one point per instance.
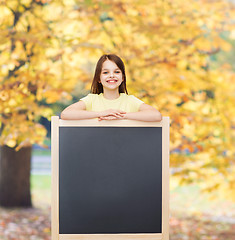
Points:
(110, 180)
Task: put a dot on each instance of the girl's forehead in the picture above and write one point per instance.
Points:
(109, 65)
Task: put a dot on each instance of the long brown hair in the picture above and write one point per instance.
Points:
(97, 87)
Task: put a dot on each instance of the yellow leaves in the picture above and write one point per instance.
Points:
(18, 134)
(88, 86)
(232, 34)
(11, 143)
(47, 113)
(216, 141)
(220, 43)
(192, 106)
(200, 96)
(225, 46)
(174, 100)
(66, 95)
(189, 131)
(4, 96)
(6, 16)
(200, 22)
(39, 94)
(167, 62)
(166, 20)
(12, 102)
(51, 96)
(203, 157)
(24, 143)
(203, 44)
(208, 44)
(9, 137)
(199, 107)
(217, 132)
(182, 64)
(206, 109)
(40, 130)
(131, 12)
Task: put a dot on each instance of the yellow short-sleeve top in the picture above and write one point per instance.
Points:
(125, 102)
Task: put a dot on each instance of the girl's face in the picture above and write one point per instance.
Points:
(111, 75)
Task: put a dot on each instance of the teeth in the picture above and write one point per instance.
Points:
(111, 81)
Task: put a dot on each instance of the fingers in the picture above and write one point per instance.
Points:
(120, 113)
(116, 113)
(110, 117)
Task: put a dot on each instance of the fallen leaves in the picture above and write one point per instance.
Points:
(25, 224)
(34, 224)
(201, 227)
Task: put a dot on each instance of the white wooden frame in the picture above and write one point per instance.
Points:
(56, 123)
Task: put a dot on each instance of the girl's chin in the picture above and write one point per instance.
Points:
(114, 86)
(111, 89)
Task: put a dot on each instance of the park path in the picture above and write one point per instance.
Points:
(41, 165)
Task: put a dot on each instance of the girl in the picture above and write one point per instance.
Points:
(109, 99)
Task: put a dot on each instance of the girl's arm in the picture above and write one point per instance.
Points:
(78, 111)
(146, 113)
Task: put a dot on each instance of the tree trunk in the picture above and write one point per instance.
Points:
(15, 177)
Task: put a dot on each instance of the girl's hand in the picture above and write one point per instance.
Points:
(112, 114)
(107, 118)
(110, 118)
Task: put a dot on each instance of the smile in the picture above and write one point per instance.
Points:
(112, 81)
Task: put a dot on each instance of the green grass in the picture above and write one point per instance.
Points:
(40, 182)
(41, 152)
(40, 190)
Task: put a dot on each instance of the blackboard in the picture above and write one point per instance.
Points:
(110, 180)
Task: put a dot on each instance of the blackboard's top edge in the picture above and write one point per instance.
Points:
(56, 117)
(114, 123)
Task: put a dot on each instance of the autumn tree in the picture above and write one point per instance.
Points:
(28, 85)
(166, 47)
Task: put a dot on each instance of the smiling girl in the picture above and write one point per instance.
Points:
(109, 99)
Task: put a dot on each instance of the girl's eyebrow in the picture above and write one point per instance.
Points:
(108, 69)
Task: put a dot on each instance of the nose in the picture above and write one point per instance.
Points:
(111, 74)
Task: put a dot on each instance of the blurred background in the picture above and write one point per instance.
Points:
(179, 57)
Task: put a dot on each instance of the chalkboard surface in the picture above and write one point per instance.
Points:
(110, 180)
